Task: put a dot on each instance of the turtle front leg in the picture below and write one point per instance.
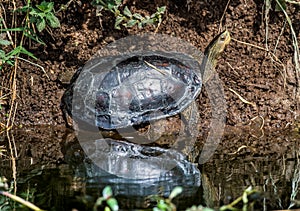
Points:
(191, 117)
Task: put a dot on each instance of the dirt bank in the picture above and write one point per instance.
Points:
(267, 79)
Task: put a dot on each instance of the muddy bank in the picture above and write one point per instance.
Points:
(268, 81)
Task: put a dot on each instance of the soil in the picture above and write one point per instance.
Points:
(266, 79)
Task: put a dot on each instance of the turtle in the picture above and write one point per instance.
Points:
(138, 88)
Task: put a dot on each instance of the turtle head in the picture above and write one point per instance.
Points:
(217, 46)
(212, 53)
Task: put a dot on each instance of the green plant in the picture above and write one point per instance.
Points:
(15, 34)
(281, 6)
(5, 201)
(107, 200)
(248, 198)
(166, 204)
(42, 14)
(10, 56)
(4, 58)
(126, 17)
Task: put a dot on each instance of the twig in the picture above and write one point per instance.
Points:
(243, 199)
(64, 6)
(295, 44)
(14, 23)
(158, 25)
(268, 6)
(13, 155)
(263, 121)
(249, 44)
(281, 33)
(242, 99)
(5, 26)
(293, 2)
(223, 15)
(261, 48)
(20, 200)
(2, 149)
(240, 148)
(41, 67)
(13, 97)
(155, 68)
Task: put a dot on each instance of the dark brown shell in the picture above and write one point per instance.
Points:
(122, 91)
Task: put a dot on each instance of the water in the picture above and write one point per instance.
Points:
(53, 171)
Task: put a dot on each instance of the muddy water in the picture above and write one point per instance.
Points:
(54, 171)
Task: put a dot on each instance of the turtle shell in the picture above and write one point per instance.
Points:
(125, 90)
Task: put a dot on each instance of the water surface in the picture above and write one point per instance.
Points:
(53, 171)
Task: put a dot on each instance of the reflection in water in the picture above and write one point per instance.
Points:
(58, 175)
(135, 172)
(133, 161)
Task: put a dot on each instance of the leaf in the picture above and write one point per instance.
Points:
(10, 62)
(113, 204)
(53, 20)
(127, 12)
(13, 29)
(107, 209)
(6, 59)
(140, 25)
(131, 23)
(41, 24)
(37, 13)
(119, 19)
(147, 21)
(99, 9)
(24, 51)
(207, 209)
(111, 5)
(41, 7)
(175, 192)
(138, 16)
(23, 9)
(14, 52)
(99, 201)
(280, 5)
(154, 15)
(29, 33)
(33, 19)
(4, 42)
(118, 2)
(45, 6)
(107, 192)
(245, 197)
(50, 6)
(2, 53)
(97, 2)
(161, 10)
(162, 205)
(117, 13)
